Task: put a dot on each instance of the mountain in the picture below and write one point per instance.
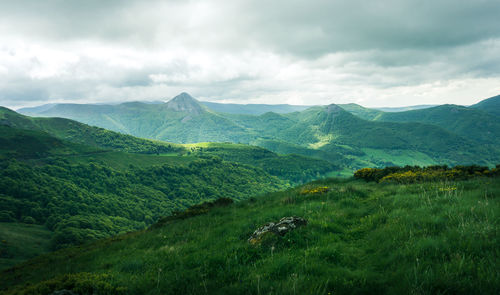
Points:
(181, 120)
(360, 111)
(351, 139)
(357, 238)
(37, 109)
(76, 132)
(289, 168)
(336, 128)
(490, 105)
(468, 122)
(185, 103)
(403, 109)
(253, 109)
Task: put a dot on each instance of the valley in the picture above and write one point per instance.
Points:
(250, 147)
(115, 199)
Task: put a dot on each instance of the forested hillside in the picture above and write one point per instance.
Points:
(76, 132)
(81, 202)
(81, 193)
(293, 169)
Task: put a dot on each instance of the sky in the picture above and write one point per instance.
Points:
(374, 53)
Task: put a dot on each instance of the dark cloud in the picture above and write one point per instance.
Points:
(327, 26)
(295, 26)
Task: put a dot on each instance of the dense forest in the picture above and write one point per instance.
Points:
(82, 202)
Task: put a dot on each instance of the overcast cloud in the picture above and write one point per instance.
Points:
(375, 53)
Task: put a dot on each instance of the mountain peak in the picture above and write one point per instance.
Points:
(185, 103)
(335, 110)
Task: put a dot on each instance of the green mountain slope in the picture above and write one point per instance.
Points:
(293, 169)
(333, 129)
(253, 109)
(290, 167)
(467, 122)
(490, 105)
(21, 241)
(181, 120)
(76, 132)
(362, 112)
(360, 238)
(27, 144)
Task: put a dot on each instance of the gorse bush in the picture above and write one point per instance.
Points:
(412, 174)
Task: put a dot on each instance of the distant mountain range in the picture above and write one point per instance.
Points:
(242, 109)
(347, 135)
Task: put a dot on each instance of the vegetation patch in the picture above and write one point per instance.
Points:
(413, 174)
(315, 190)
(78, 283)
(195, 210)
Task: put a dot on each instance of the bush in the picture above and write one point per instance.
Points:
(29, 220)
(412, 174)
(7, 216)
(79, 283)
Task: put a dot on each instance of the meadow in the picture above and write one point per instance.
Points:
(437, 237)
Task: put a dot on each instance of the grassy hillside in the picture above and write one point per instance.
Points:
(20, 241)
(360, 238)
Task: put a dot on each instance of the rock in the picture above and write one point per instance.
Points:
(283, 226)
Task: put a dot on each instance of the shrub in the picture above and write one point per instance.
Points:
(412, 174)
(29, 220)
(80, 283)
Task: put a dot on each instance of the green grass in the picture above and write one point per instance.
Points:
(19, 242)
(361, 238)
(397, 157)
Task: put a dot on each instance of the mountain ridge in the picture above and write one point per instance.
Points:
(434, 131)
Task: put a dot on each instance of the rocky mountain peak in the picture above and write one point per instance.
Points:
(185, 103)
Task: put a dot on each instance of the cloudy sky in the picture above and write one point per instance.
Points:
(375, 53)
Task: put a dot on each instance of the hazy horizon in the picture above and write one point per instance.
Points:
(222, 102)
